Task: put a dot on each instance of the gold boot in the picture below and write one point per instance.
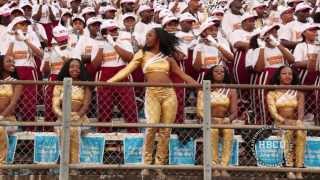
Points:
(300, 146)
(215, 143)
(227, 146)
(288, 148)
(216, 173)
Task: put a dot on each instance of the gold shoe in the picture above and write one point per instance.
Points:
(290, 175)
(299, 175)
(216, 173)
(145, 172)
(224, 173)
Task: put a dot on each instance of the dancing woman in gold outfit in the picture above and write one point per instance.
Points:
(80, 99)
(223, 111)
(160, 102)
(287, 108)
(9, 95)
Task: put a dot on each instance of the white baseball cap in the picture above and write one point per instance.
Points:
(127, 1)
(283, 10)
(168, 19)
(258, 4)
(217, 10)
(107, 8)
(302, 6)
(16, 9)
(309, 26)
(165, 12)
(87, 10)
(60, 33)
(205, 26)
(292, 1)
(144, 8)
(127, 15)
(79, 18)
(5, 11)
(266, 29)
(109, 23)
(24, 4)
(65, 11)
(186, 17)
(247, 16)
(93, 20)
(17, 20)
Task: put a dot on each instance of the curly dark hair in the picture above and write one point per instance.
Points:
(64, 72)
(167, 41)
(276, 78)
(12, 74)
(226, 80)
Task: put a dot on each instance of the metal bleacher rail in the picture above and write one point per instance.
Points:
(206, 126)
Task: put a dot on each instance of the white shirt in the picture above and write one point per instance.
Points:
(240, 35)
(21, 52)
(181, 6)
(187, 38)
(54, 58)
(88, 46)
(45, 18)
(111, 57)
(210, 55)
(230, 23)
(273, 57)
(304, 50)
(292, 31)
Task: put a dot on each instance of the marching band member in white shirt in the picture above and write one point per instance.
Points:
(111, 58)
(88, 45)
(78, 25)
(211, 49)
(53, 61)
(265, 56)
(23, 48)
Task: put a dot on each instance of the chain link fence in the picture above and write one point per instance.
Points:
(119, 119)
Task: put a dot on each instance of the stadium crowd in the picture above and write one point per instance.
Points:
(159, 41)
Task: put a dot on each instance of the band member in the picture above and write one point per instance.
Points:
(23, 48)
(111, 58)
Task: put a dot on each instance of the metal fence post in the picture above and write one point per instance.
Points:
(65, 148)
(207, 148)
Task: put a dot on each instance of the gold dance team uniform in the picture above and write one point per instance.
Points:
(160, 103)
(219, 100)
(288, 101)
(77, 99)
(6, 93)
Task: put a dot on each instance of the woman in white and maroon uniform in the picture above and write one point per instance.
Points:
(45, 14)
(112, 57)
(212, 50)
(53, 60)
(23, 49)
(306, 56)
(265, 57)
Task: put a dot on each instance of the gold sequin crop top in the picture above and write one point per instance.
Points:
(150, 63)
(277, 99)
(6, 90)
(219, 98)
(77, 95)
